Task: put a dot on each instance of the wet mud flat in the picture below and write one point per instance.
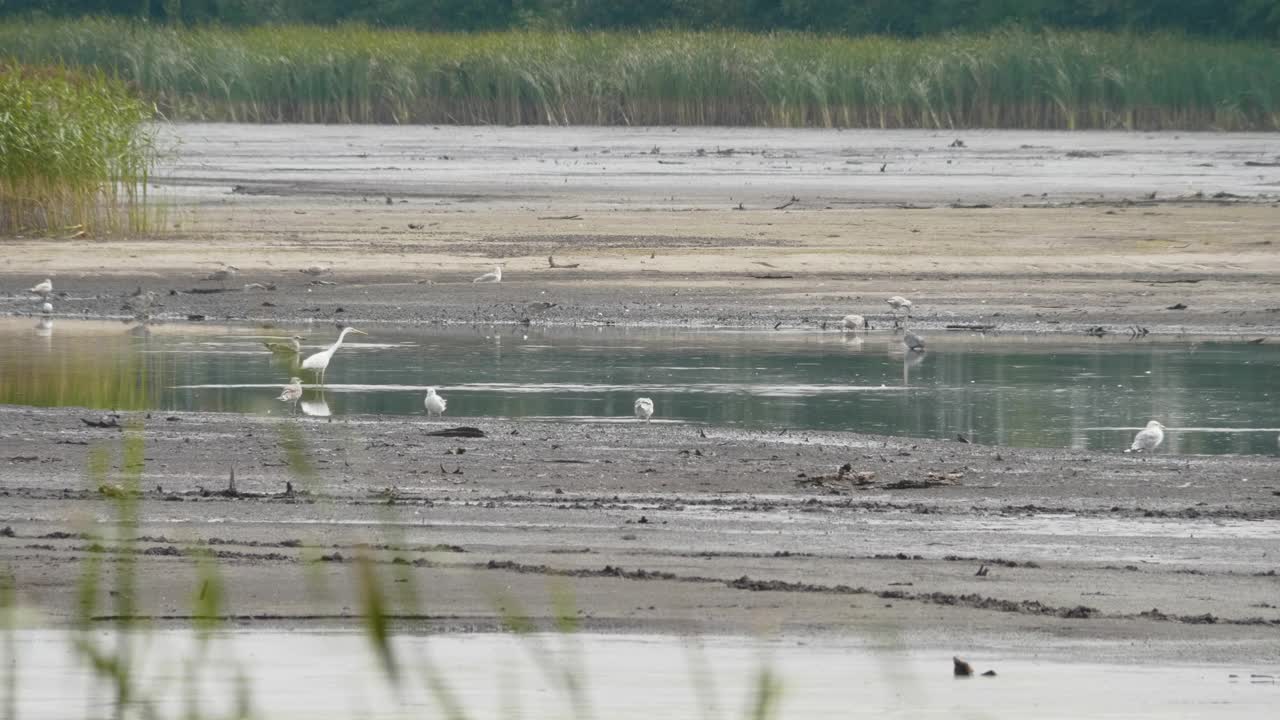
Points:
(708, 227)
(662, 527)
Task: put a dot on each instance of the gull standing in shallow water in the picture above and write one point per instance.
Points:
(43, 289)
(320, 361)
(495, 276)
(292, 393)
(1148, 438)
(433, 403)
(644, 409)
(854, 323)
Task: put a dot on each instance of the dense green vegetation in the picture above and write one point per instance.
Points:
(1226, 18)
(77, 152)
(1013, 78)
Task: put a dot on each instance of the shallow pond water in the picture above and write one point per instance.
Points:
(1215, 395)
(317, 674)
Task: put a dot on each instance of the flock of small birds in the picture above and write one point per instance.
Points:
(140, 303)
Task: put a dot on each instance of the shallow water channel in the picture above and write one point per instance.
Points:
(1216, 395)
(317, 674)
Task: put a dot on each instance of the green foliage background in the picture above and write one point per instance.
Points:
(1220, 18)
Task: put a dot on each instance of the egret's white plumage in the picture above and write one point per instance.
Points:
(914, 342)
(286, 346)
(897, 302)
(433, 403)
(46, 308)
(292, 392)
(320, 361)
(495, 276)
(1148, 438)
(644, 409)
(43, 289)
(854, 323)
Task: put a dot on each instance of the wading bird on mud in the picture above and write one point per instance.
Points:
(854, 323)
(433, 403)
(285, 346)
(644, 409)
(495, 276)
(1148, 438)
(292, 393)
(897, 302)
(43, 289)
(320, 361)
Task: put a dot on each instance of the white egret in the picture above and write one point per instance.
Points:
(289, 346)
(914, 342)
(897, 302)
(433, 402)
(644, 409)
(292, 393)
(495, 276)
(1148, 438)
(43, 289)
(46, 308)
(854, 323)
(320, 361)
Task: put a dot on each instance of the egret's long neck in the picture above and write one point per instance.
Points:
(342, 336)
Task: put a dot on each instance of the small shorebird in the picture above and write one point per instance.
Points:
(644, 409)
(1148, 438)
(292, 393)
(223, 275)
(495, 276)
(289, 346)
(897, 302)
(433, 403)
(914, 342)
(315, 270)
(320, 361)
(43, 289)
(854, 323)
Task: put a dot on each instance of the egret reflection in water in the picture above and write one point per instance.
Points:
(316, 406)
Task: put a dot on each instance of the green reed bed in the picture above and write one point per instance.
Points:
(1011, 79)
(76, 151)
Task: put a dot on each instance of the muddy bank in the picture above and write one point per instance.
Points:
(654, 527)
(746, 227)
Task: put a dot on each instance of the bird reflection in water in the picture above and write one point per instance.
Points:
(315, 407)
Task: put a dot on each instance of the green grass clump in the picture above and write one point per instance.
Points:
(1007, 79)
(77, 151)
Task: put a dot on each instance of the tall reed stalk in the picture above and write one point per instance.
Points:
(76, 152)
(1008, 79)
